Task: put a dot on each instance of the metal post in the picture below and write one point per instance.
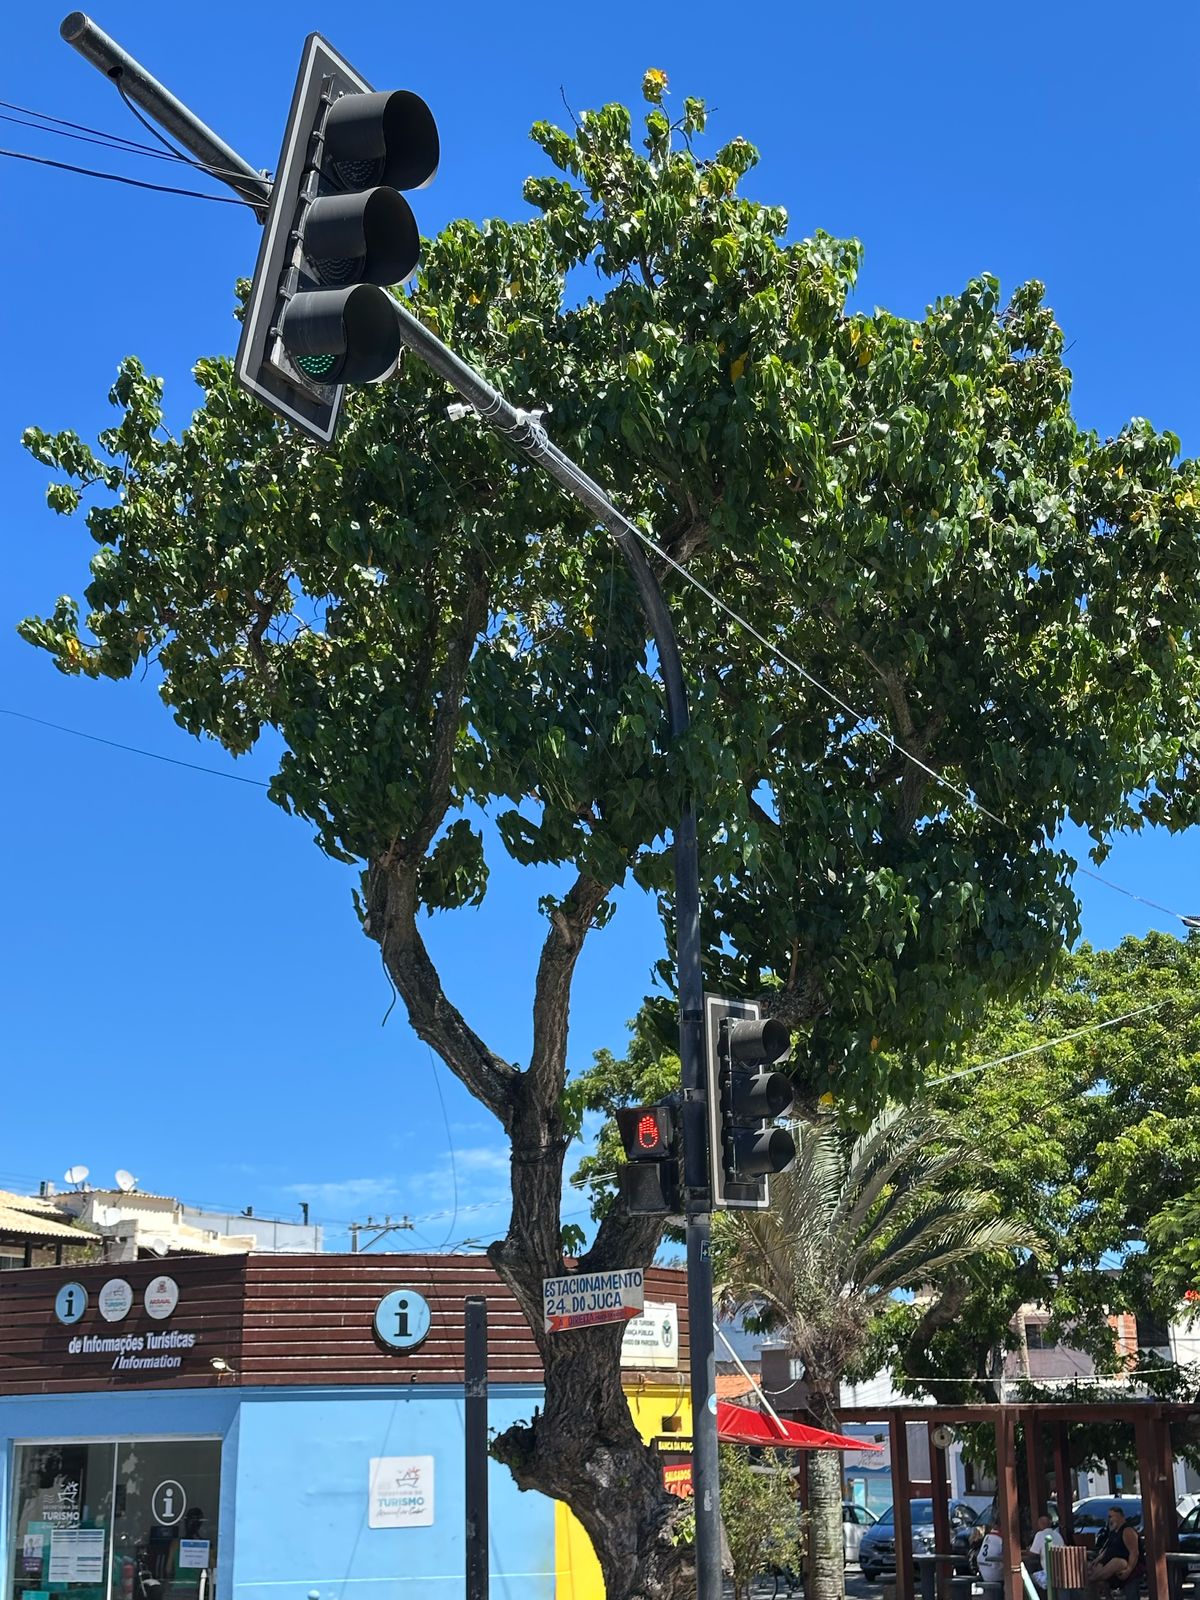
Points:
(476, 1446)
(524, 431)
(94, 45)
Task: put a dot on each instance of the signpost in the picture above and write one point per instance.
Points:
(585, 1299)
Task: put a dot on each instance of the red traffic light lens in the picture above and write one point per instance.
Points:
(647, 1132)
(648, 1136)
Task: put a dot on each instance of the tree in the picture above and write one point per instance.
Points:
(762, 1521)
(437, 638)
(853, 1222)
(1093, 1144)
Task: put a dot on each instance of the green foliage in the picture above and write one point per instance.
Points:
(1093, 1144)
(764, 1526)
(906, 505)
(856, 1220)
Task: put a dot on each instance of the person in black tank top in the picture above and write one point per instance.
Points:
(1117, 1561)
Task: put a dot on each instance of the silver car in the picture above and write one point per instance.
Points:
(856, 1520)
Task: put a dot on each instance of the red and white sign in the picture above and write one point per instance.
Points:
(161, 1297)
(583, 1299)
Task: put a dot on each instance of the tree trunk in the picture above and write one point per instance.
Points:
(584, 1449)
(826, 1537)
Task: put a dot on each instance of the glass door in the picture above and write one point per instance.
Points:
(165, 1519)
(62, 1521)
(108, 1520)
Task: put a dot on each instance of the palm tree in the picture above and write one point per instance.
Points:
(854, 1221)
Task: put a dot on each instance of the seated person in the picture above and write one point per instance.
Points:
(1117, 1560)
(990, 1559)
(1044, 1540)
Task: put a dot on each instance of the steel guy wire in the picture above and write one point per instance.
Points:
(863, 722)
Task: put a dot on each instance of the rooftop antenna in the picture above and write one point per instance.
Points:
(160, 1246)
(76, 1175)
(126, 1181)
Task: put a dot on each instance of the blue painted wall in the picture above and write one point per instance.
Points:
(294, 1478)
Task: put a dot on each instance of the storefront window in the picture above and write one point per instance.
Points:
(124, 1520)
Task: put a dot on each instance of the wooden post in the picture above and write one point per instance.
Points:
(940, 1490)
(1008, 1506)
(1035, 1468)
(1152, 1511)
(1064, 1498)
(902, 1511)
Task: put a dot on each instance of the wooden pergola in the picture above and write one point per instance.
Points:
(1149, 1420)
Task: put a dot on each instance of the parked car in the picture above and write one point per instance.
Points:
(856, 1520)
(1189, 1534)
(877, 1547)
(1090, 1515)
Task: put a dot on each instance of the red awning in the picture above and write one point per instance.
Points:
(744, 1425)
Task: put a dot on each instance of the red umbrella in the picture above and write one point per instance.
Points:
(744, 1425)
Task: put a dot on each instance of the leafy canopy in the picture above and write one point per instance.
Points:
(906, 506)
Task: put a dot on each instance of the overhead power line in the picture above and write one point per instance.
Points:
(133, 750)
(116, 177)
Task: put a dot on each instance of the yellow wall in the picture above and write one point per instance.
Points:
(577, 1572)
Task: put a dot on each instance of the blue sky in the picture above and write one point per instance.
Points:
(183, 987)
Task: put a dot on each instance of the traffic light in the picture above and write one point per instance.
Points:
(337, 233)
(744, 1098)
(649, 1182)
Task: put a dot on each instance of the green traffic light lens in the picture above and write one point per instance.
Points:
(316, 367)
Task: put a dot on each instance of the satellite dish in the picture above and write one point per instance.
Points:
(943, 1437)
(76, 1174)
(125, 1180)
(159, 1246)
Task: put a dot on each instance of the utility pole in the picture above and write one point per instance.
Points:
(524, 432)
(401, 1225)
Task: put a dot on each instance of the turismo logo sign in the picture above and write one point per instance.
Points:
(116, 1299)
(401, 1492)
(161, 1297)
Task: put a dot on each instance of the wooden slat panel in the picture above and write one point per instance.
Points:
(277, 1320)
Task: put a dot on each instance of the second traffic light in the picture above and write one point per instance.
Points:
(338, 232)
(744, 1098)
(649, 1181)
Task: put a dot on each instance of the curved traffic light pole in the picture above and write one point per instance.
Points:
(525, 433)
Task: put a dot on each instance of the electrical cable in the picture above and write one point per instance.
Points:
(176, 152)
(153, 755)
(1050, 1044)
(114, 142)
(79, 127)
(133, 183)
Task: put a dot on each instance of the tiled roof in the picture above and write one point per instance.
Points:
(40, 1206)
(24, 1225)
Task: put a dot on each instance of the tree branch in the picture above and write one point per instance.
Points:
(392, 901)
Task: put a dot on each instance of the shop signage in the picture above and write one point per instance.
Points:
(652, 1339)
(193, 1555)
(115, 1300)
(401, 1492)
(583, 1299)
(402, 1319)
(161, 1297)
(675, 1459)
(70, 1303)
(136, 1352)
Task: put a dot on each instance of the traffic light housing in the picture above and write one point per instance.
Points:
(337, 233)
(744, 1098)
(649, 1181)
